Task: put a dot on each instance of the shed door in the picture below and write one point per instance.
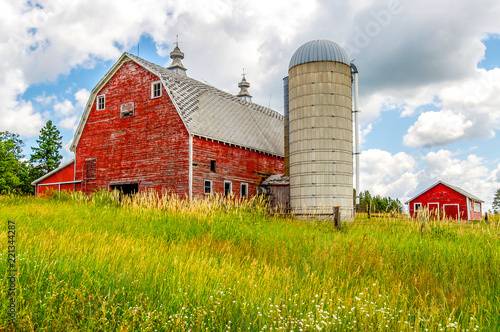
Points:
(451, 211)
(433, 210)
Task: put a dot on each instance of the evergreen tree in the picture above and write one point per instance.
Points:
(496, 201)
(10, 154)
(46, 156)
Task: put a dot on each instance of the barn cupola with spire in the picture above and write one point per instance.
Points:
(244, 85)
(176, 55)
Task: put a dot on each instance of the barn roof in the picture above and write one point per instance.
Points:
(457, 189)
(208, 112)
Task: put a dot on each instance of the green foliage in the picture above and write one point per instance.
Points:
(10, 166)
(496, 201)
(148, 263)
(46, 156)
(378, 203)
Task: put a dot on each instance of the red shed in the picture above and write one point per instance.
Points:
(60, 179)
(146, 127)
(445, 200)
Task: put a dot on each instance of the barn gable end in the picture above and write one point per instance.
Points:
(135, 140)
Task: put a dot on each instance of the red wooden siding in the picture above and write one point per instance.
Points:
(67, 174)
(234, 164)
(151, 148)
(475, 215)
(446, 202)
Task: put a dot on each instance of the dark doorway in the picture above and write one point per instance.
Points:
(126, 189)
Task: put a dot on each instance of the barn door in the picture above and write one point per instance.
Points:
(433, 210)
(451, 211)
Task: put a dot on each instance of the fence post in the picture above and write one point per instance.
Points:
(336, 217)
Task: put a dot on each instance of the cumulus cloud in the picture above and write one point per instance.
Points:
(81, 97)
(437, 128)
(386, 174)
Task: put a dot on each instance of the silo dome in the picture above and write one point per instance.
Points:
(319, 50)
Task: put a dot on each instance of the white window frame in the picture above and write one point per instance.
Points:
(230, 188)
(211, 187)
(241, 189)
(98, 105)
(153, 89)
(415, 209)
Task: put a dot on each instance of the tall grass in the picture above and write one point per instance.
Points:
(162, 263)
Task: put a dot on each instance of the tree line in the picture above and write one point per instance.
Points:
(16, 172)
(377, 203)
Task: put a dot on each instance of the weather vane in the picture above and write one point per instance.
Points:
(177, 42)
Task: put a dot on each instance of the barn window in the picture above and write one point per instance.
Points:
(244, 190)
(228, 188)
(477, 207)
(101, 102)
(213, 166)
(127, 110)
(417, 206)
(207, 187)
(90, 169)
(155, 89)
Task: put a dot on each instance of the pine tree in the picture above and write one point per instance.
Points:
(496, 201)
(46, 156)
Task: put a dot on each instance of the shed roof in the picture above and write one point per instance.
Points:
(457, 189)
(319, 50)
(207, 111)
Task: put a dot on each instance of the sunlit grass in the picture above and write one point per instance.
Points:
(163, 263)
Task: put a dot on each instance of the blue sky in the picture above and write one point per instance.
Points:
(429, 76)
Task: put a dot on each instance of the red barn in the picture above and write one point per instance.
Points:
(444, 200)
(146, 127)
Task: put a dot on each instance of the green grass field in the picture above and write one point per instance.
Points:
(169, 265)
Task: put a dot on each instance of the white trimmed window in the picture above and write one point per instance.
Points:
(477, 207)
(156, 89)
(417, 206)
(207, 187)
(228, 188)
(244, 190)
(101, 102)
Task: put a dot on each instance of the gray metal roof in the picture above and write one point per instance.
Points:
(277, 180)
(457, 189)
(211, 113)
(319, 50)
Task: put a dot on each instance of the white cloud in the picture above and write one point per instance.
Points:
(364, 132)
(437, 128)
(68, 122)
(81, 97)
(388, 175)
(64, 108)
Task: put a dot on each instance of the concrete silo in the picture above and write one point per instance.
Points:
(320, 145)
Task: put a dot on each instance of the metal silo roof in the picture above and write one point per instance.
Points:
(319, 50)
